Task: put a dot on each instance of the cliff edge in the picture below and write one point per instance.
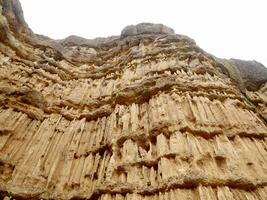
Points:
(146, 115)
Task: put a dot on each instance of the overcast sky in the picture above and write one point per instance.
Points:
(225, 28)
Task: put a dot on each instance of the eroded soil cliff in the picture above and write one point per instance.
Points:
(144, 115)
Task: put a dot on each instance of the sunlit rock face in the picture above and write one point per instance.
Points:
(145, 115)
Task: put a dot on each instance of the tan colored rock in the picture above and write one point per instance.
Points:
(145, 115)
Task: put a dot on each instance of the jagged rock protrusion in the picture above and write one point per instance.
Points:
(146, 28)
(249, 75)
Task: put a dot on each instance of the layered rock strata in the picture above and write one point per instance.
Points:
(145, 115)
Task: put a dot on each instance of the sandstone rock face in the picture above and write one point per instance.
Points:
(145, 115)
(146, 28)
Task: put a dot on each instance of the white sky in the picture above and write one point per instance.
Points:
(224, 28)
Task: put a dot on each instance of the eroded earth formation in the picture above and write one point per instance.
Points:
(141, 116)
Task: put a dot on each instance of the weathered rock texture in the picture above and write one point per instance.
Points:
(145, 115)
